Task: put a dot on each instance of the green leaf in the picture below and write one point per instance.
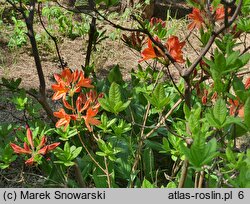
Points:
(147, 184)
(67, 147)
(148, 162)
(99, 180)
(123, 106)
(212, 121)
(76, 152)
(114, 94)
(165, 146)
(159, 92)
(243, 24)
(230, 155)
(247, 112)
(238, 84)
(105, 104)
(113, 102)
(102, 154)
(117, 107)
(186, 110)
(245, 58)
(101, 144)
(220, 111)
(158, 98)
(200, 153)
(233, 120)
(115, 75)
(153, 145)
(220, 61)
(171, 184)
(194, 119)
(210, 151)
(3, 166)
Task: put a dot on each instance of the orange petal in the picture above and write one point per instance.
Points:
(30, 161)
(42, 143)
(30, 137)
(19, 150)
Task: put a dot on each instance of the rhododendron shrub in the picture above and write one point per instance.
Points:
(178, 121)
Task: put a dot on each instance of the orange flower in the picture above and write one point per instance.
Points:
(150, 52)
(88, 101)
(60, 91)
(64, 118)
(82, 100)
(29, 161)
(93, 99)
(174, 47)
(66, 77)
(69, 83)
(220, 13)
(89, 118)
(197, 19)
(33, 151)
(84, 82)
(236, 108)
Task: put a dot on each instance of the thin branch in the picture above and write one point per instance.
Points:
(162, 121)
(243, 73)
(107, 172)
(92, 31)
(245, 50)
(90, 155)
(183, 173)
(118, 26)
(175, 134)
(51, 36)
(202, 174)
(76, 10)
(169, 74)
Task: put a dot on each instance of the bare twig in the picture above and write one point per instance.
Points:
(92, 31)
(183, 173)
(202, 174)
(51, 36)
(107, 172)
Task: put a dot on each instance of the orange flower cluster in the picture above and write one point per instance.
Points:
(173, 45)
(30, 148)
(198, 17)
(86, 105)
